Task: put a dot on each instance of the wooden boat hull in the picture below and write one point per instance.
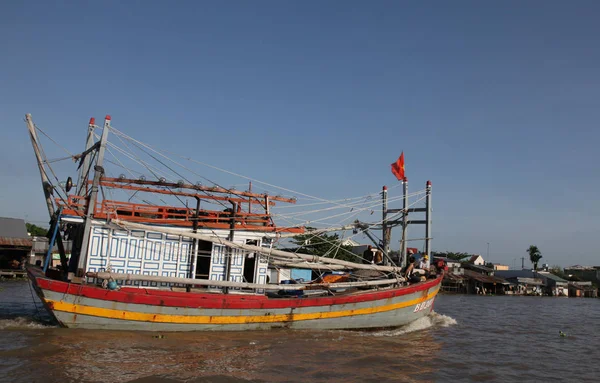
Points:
(92, 307)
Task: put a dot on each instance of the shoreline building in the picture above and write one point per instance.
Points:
(529, 282)
(15, 243)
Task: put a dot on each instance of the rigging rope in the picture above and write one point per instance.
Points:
(139, 143)
(346, 203)
(217, 168)
(56, 143)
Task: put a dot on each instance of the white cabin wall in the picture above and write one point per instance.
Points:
(159, 254)
(139, 252)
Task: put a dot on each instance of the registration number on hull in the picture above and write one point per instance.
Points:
(423, 305)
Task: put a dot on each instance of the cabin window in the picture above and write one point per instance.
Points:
(266, 242)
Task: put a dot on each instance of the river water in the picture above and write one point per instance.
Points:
(468, 338)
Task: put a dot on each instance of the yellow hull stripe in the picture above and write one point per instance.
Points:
(229, 319)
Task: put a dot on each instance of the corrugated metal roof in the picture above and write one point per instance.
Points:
(528, 274)
(555, 278)
(16, 242)
(479, 268)
(529, 281)
(579, 267)
(525, 273)
(13, 228)
(484, 278)
(454, 277)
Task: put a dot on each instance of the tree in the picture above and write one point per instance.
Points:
(452, 255)
(36, 231)
(534, 256)
(324, 245)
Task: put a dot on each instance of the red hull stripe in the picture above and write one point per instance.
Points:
(218, 301)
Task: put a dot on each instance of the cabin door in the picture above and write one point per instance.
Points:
(262, 265)
(250, 262)
(203, 259)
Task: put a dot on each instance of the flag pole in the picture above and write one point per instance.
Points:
(404, 220)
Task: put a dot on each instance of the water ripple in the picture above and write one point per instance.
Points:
(467, 338)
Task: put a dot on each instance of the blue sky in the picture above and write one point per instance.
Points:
(496, 102)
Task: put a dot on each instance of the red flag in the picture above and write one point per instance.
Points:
(398, 167)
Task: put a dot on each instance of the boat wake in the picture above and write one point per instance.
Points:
(20, 323)
(433, 320)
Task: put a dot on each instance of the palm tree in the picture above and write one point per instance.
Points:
(534, 256)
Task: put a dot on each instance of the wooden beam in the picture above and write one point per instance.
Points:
(177, 193)
(197, 187)
(243, 285)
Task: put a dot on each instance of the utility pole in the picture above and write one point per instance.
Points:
(488, 252)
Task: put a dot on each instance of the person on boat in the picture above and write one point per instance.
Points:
(378, 257)
(423, 267)
(409, 273)
(368, 255)
(424, 263)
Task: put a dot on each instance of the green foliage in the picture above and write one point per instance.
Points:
(457, 256)
(534, 255)
(324, 245)
(36, 231)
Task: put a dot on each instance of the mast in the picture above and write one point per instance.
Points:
(46, 185)
(250, 199)
(85, 168)
(98, 172)
(229, 248)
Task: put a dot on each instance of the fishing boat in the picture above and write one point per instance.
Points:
(175, 267)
